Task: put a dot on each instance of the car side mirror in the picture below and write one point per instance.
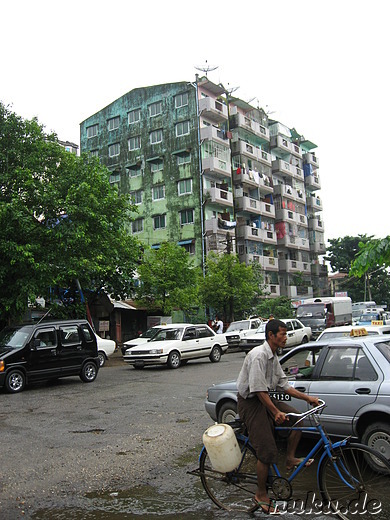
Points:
(35, 344)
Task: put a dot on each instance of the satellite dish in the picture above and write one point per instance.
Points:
(206, 68)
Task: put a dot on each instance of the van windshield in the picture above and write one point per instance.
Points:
(13, 337)
(311, 311)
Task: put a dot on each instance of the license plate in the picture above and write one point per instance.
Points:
(139, 364)
(280, 396)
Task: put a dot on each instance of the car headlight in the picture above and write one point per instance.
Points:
(156, 351)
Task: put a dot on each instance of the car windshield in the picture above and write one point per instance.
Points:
(369, 316)
(167, 335)
(12, 337)
(238, 325)
(311, 310)
(150, 333)
(261, 329)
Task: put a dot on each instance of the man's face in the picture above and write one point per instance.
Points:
(278, 340)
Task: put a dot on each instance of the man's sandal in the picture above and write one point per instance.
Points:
(308, 463)
(265, 506)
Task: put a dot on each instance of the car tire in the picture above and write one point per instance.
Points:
(102, 358)
(215, 354)
(377, 436)
(88, 372)
(305, 339)
(173, 359)
(227, 412)
(15, 381)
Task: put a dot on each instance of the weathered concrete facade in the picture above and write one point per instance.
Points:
(208, 171)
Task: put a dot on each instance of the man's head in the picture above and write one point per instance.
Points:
(276, 333)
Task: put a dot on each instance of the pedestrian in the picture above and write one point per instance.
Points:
(218, 324)
(260, 374)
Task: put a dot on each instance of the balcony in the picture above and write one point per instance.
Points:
(296, 150)
(216, 166)
(314, 203)
(294, 242)
(254, 179)
(293, 291)
(280, 144)
(252, 152)
(316, 224)
(283, 167)
(286, 215)
(246, 123)
(218, 196)
(319, 270)
(268, 263)
(294, 266)
(248, 205)
(213, 110)
(313, 182)
(318, 248)
(272, 290)
(213, 227)
(289, 192)
(257, 234)
(310, 158)
(210, 133)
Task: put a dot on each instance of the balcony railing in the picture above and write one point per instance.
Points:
(294, 266)
(310, 158)
(218, 196)
(314, 203)
(313, 182)
(216, 165)
(210, 133)
(257, 234)
(251, 151)
(255, 206)
(213, 109)
(242, 121)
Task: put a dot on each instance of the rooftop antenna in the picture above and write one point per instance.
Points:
(253, 99)
(206, 68)
(269, 112)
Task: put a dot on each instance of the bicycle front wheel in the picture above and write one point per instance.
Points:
(351, 487)
(232, 491)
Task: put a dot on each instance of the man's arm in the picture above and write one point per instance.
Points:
(300, 395)
(279, 416)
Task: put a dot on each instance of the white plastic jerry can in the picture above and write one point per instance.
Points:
(222, 447)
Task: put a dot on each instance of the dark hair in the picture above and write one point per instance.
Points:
(274, 326)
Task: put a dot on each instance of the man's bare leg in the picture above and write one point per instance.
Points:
(261, 494)
(292, 444)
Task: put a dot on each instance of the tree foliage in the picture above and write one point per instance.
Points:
(59, 219)
(280, 308)
(168, 280)
(230, 287)
(358, 256)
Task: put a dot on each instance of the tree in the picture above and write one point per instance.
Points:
(230, 287)
(60, 220)
(280, 308)
(168, 280)
(357, 256)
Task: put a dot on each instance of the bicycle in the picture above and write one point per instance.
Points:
(351, 477)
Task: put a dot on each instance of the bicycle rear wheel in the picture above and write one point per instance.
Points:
(232, 491)
(349, 485)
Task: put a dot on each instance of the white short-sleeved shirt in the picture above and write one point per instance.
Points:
(261, 372)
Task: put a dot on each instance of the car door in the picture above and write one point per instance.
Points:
(71, 347)
(290, 334)
(340, 381)
(189, 345)
(43, 359)
(298, 332)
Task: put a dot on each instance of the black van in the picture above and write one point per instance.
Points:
(47, 350)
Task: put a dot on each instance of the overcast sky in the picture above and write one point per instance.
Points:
(318, 66)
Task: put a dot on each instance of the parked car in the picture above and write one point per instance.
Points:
(106, 347)
(240, 329)
(352, 375)
(297, 333)
(345, 331)
(47, 350)
(146, 336)
(175, 345)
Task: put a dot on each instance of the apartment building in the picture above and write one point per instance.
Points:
(212, 173)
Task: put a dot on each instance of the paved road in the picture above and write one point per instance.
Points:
(118, 448)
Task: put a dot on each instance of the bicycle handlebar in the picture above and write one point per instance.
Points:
(314, 410)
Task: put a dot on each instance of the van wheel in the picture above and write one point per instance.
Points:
(15, 381)
(88, 372)
(102, 358)
(174, 359)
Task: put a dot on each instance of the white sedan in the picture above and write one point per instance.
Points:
(175, 345)
(297, 334)
(106, 347)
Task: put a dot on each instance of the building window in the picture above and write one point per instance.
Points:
(159, 222)
(181, 100)
(155, 109)
(186, 217)
(94, 153)
(184, 158)
(113, 123)
(190, 248)
(114, 150)
(156, 166)
(115, 177)
(92, 131)
(136, 196)
(134, 171)
(138, 225)
(182, 128)
(134, 116)
(134, 143)
(158, 192)
(155, 136)
(184, 187)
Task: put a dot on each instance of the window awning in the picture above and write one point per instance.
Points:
(185, 242)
